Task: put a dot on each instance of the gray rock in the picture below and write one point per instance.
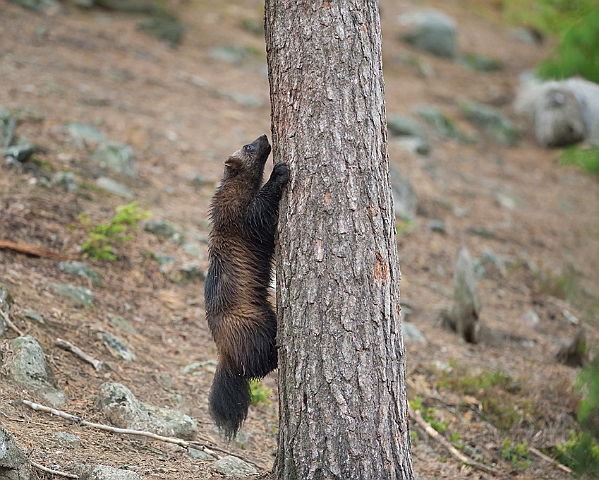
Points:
(117, 347)
(6, 303)
(39, 5)
(114, 187)
(192, 271)
(20, 152)
(481, 232)
(67, 439)
(491, 121)
(84, 135)
(196, 179)
(443, 125)
(404, 199)
(161, 228)
(103, 472)
(437, 226)
(410, 332)
(552, 103)
(66, 181)
(474, 61)
(81, 269)
(7, 127)
(234, 54)
(123, 410)
(14, 464)
(531, 319)
(230, 465)
(122, 324)
(526, 35)
(409, 133)
(163, 259)
(117, 157)
(193, 249)
(431, 31)
(80, 295)
(36, 317)
(29, 369)
(467, 305)
(167, 29)
(199, 455)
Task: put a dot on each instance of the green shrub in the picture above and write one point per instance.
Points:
(588, 385)
(577, 52)
(103, 236)
(586, 159)
(259, 394)
(581, 454)
(516, 453)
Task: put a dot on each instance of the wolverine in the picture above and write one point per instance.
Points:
(241, 249)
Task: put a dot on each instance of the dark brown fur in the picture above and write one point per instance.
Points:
(240, 316)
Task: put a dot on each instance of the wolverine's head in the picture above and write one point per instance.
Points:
(249, 160)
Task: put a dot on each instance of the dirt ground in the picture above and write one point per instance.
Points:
(182, 110)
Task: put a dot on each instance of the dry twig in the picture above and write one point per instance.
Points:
(549, 459)
(10, 324)
(177, 441)
(33, 250)
(55, 472)
(97, 364)
(417, 417)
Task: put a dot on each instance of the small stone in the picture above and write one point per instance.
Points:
(481, 63)
(404, 199)
(230, 465)
(84, 135)
(66, 181)
(114, 187)
(197, 454)
(571, 318)
(234, 54)
(196, 179)
(192, 271)
(122, 324)
(194, 366)
(67, 439)
(103, 472)
(29, 368)
(117, 157)
(163, 259)
(117, 347)
(431, 31)
(80, 295)
(491, 121)
(531, 319)
(161, 228)
(20, 153)
(437, 226)
(36, 317)
(81, 269)
(7, 127)
(481, 232)
(193, 249)
(123, 410)
(506, 201)
(444, 125)
(14, 464)
(410, 332)
(165, 28)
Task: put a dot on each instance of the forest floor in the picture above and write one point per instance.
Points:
(183, 111)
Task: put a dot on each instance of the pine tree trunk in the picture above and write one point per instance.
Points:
(343, 405)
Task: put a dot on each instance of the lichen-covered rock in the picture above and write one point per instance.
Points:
(405, 201)
(103, 472)
(6, 302)
(430, 30)
(13, 462)
(123, 410)
(231, 465)
(28, 367)
(467, 305)
(491, 121)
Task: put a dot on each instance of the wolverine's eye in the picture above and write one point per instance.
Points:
(249, 148)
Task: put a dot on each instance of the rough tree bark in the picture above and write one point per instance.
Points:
(343, 406)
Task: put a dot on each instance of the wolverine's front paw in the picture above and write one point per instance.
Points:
(280, 173)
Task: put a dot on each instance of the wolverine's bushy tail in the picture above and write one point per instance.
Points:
(229, 400)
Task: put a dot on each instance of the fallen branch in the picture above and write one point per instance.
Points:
(55, 472)
(549, 459)
(33, 250)
(177, 441)
(9, 323)
(417, 417)
(97, 364)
